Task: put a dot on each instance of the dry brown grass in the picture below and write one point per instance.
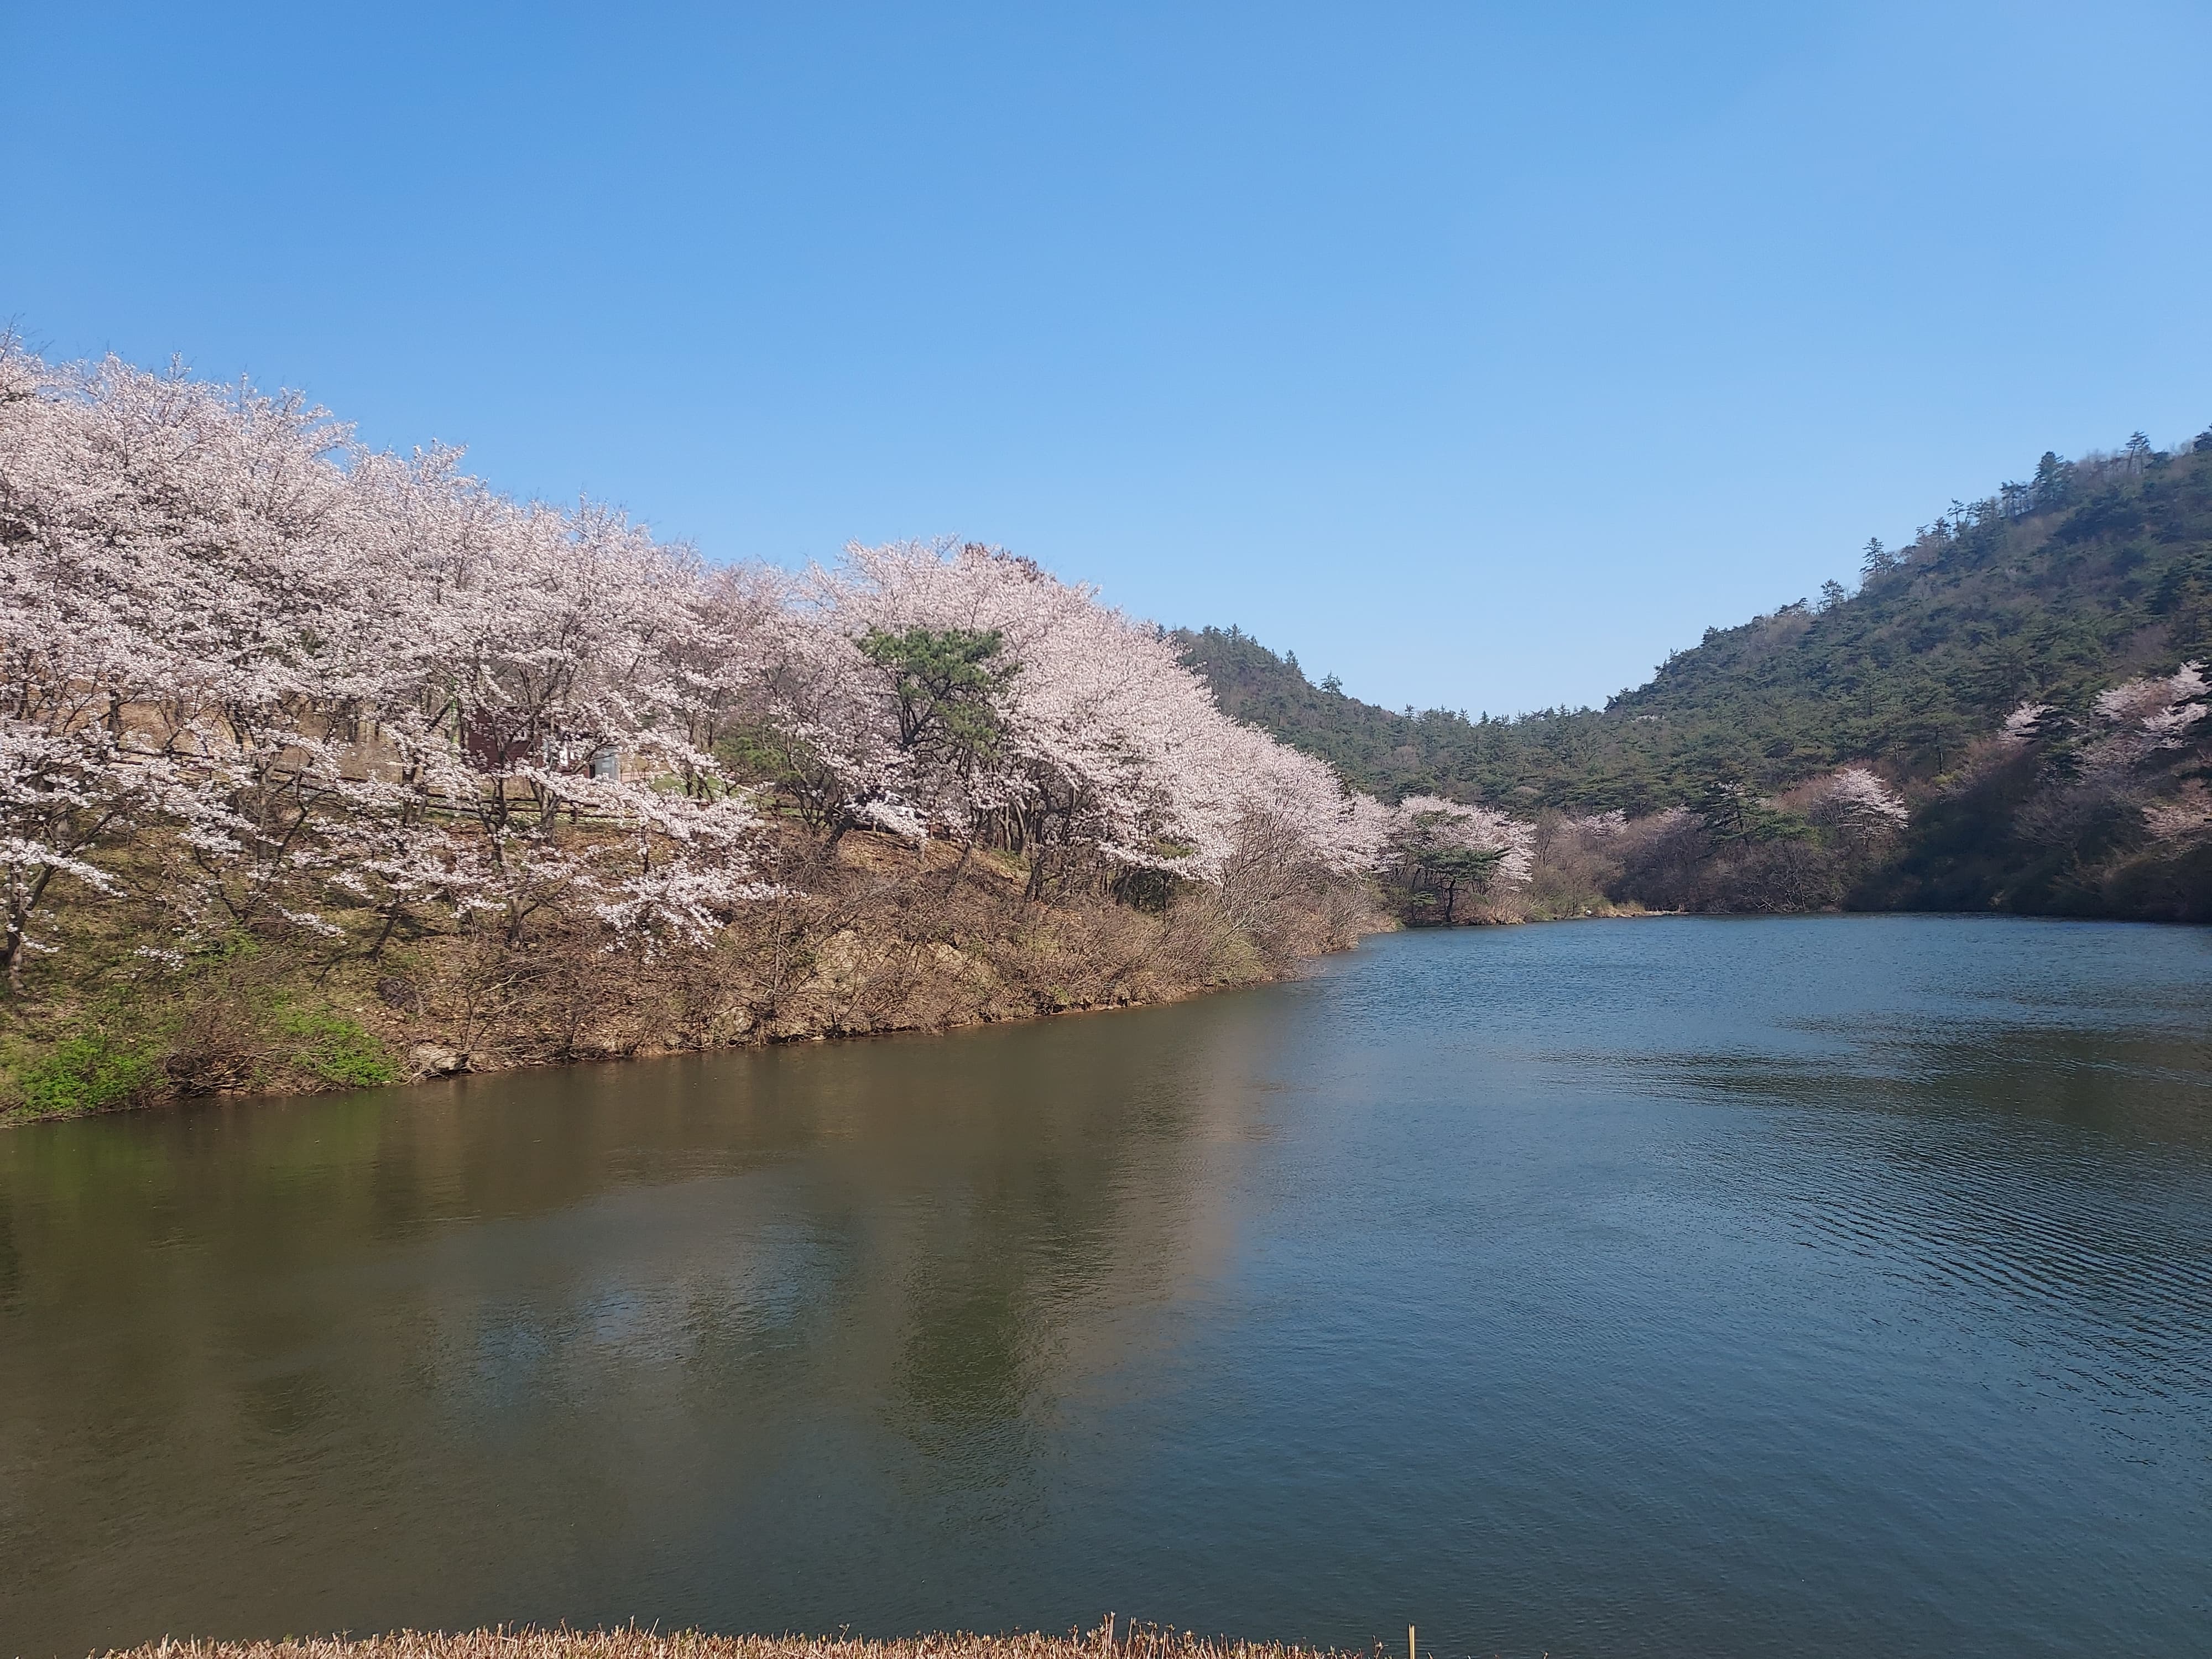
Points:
(1135, 1642)
(880, 937)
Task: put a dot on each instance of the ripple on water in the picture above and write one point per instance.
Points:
(1825, 1286)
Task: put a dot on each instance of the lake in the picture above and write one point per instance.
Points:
(1827, 1286)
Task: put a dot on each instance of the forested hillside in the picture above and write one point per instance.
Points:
(2046, 594)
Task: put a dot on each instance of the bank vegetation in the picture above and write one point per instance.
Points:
(324, 767)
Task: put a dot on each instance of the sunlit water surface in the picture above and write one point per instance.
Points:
(1825, 1286)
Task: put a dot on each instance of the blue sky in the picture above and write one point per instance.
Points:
(1481, 354)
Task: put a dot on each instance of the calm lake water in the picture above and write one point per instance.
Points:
(1840, 1285)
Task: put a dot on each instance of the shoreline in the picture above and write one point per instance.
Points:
(800, 1038)
(751, 1041)
(755, 1039)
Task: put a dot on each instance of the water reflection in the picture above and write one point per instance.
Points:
(1641, 1288)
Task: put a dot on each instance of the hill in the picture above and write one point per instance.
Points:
(2048, 593)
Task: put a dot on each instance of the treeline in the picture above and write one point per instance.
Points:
(2093, 577)
(322, 765)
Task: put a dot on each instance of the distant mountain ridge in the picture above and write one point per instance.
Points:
(2020, 677)
(2044, 591)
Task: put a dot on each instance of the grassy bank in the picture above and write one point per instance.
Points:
(1139, 1643)
(882, 937)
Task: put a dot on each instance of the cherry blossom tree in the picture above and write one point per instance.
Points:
(2025, 724)
(2156, 713)
(1432, 848)
(1859, 808)
(268, 679)
(314, 668)
(1070, 732)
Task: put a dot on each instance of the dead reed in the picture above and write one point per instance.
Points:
(1133, 1642)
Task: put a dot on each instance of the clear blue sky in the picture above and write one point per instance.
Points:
(1481, 354)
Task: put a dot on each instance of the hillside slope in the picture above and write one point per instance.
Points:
(2094, 572)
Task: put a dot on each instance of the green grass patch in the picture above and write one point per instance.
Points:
(337, 1050)
(92, 1073)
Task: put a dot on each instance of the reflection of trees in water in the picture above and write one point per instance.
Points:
(970, 1355)
(448, 1335)
(819, 1328)
(604, 1264)
(11, 1271)
(1094, 1201)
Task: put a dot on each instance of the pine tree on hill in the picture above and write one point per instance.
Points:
(2047, 594)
